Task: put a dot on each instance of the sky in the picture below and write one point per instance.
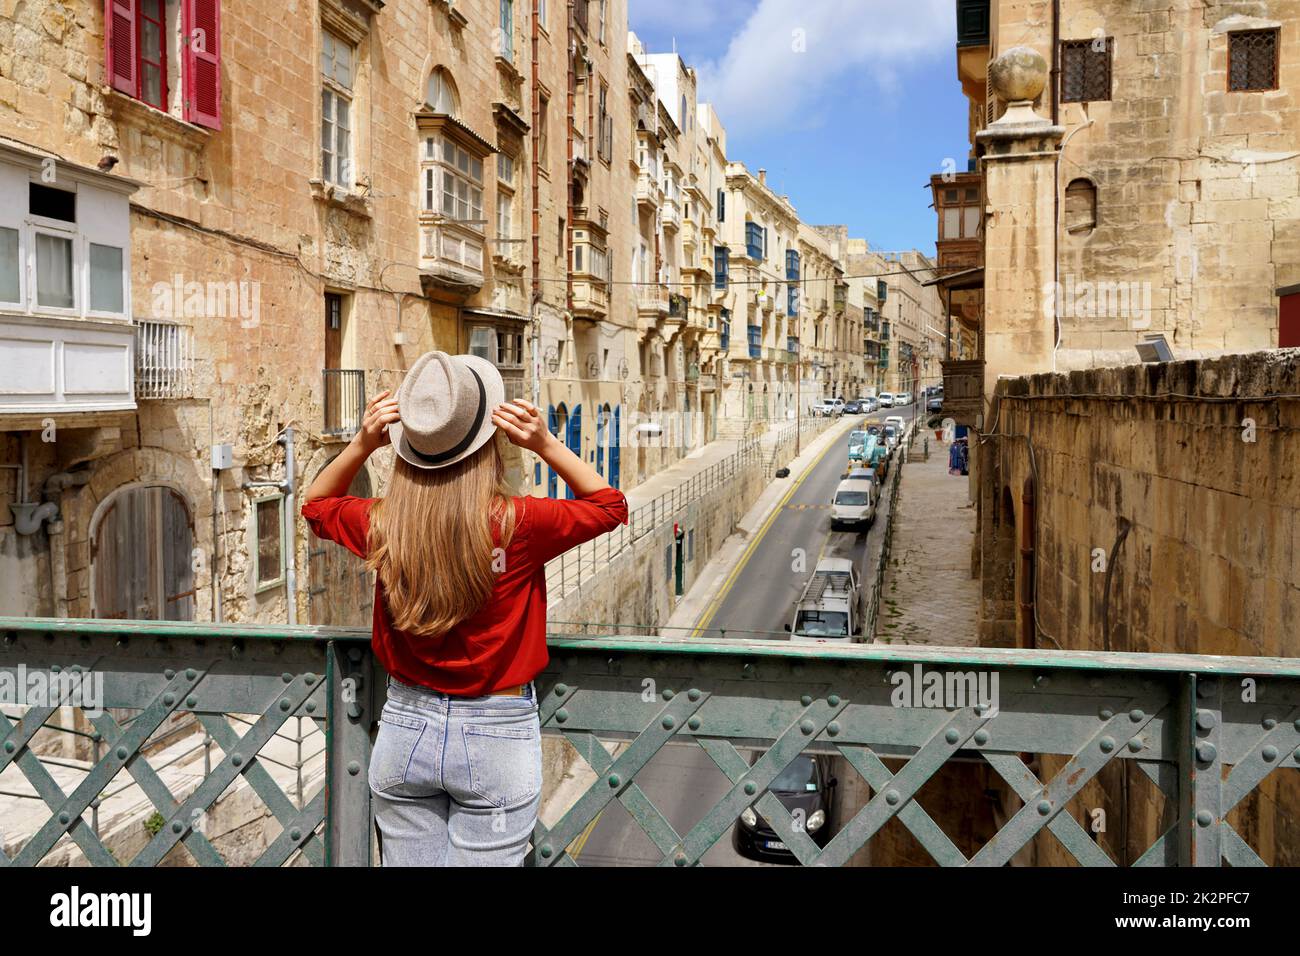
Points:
(850, 105)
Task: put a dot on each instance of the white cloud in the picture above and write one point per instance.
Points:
(791, 56)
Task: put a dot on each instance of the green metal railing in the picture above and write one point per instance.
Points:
(1205, 730)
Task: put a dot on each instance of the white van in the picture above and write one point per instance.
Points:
(886, 400)
(854, 504)
(903, 398)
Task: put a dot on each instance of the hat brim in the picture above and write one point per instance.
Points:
(494, 390)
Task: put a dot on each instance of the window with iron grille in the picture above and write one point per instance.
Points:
(164, 360)
(1085, 69)
(1252, 60)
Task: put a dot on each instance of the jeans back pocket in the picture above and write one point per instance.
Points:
(395, 746)
(505, 762)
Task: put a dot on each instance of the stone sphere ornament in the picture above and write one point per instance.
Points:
(1019, 74)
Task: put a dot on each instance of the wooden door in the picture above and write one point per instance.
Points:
(340, 590)
(141, 557)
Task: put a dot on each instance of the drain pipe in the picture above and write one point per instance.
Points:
(287, 488)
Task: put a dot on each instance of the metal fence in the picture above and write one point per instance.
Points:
(1183, 721)
(164, 360)
(344, 400)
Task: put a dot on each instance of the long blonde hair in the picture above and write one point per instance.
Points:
(431, 539)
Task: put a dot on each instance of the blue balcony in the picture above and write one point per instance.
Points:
(792, 265)
(755, 241)
(755, 341)
(721, 267)
(1177, 721)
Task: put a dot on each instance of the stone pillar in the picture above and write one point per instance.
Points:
(1020, 223)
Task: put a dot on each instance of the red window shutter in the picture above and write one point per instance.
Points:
(202, 61)
(119, 45)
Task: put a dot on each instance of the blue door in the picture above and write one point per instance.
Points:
(613, 449)
(602, 438)
(552, 425)
(574, 440)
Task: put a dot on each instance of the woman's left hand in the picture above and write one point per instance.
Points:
(381, 412)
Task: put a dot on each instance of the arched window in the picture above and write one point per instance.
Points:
(1080, 207)
(440, 93)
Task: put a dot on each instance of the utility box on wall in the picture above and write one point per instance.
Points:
(1288, 317)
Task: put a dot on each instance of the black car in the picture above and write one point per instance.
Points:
(935, 404)
(805, 788)
(853, 408)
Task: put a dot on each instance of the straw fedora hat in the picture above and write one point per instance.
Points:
(446, 404)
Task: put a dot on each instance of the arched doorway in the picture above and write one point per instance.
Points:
(141, 556)
(558, 423)
(574, 439)
(340, 591)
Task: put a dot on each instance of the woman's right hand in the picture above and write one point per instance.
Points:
(381, 411)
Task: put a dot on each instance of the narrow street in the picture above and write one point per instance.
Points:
(755, 601)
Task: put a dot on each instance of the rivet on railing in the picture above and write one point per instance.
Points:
(1205, 719)
(169, 673)
(287, 678)
(354, 768)
(892, 797)
(751, 788)
(1204, 818)
(679, 859)
(284, 703)
(833, 728)
(178, 826)
(311, 706)
(693, 723)
(55, 668)
(807, 727)
(1297, 723)
(237, 760)
(833, 700)
(952, 736)
(1107, 744)
(295, 834)
(191, 701)
(668, 722)
(694, 694)
(64, 818)
(10, 746)
(169, 698)
(981, 737)
(122, 753)
(190, 673)
(1044, 807)
(1297, 755)
(614, 780)
(561, 715)
(1136, 714)
(1206, 752)
(561, 690)
(806, 699)
(310, 680)
(1106, 713)
(1269, 753)
(1135, 744)
(668, 694)
(1269, 723)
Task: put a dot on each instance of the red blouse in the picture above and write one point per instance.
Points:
(504, 644)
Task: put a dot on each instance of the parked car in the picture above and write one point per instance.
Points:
(807, 786)
(857, 471)
(935, 404)
(868, 404)
(903, 398)
(853, 407)
(886, 399)
(829, 407)
(890, 434)
(854, 504)
(898, 420)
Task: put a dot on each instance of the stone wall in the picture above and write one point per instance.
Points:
(1198, 461)
(1197, 187)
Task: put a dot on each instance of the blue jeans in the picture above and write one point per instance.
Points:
(456, 780)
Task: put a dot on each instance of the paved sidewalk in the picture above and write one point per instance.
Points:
(929, 596)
